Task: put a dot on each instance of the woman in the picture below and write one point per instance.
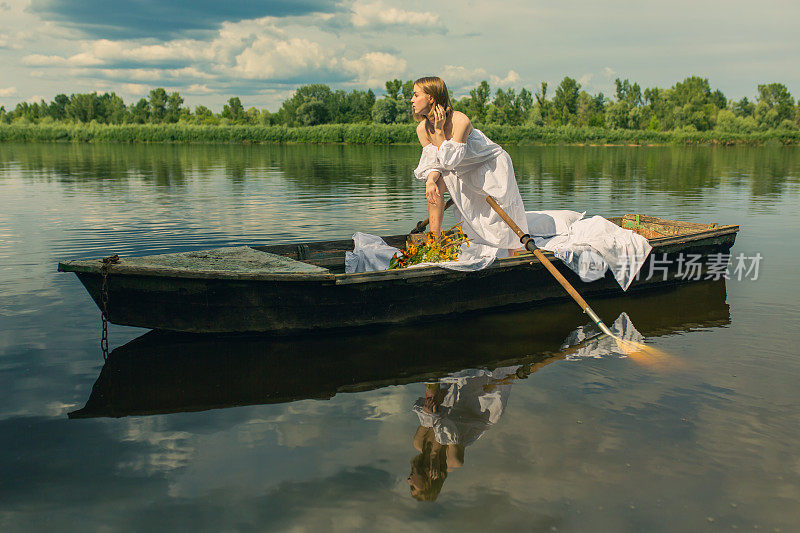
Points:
(461, 160)
(454, 413)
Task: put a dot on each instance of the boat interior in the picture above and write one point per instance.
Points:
(330, 254)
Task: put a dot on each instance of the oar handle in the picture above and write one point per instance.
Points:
(422, 224)
(527, 241)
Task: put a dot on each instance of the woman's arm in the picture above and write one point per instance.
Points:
(432, 192)
(455, 456)
(431, 188)
(419, 437)
(439, 124)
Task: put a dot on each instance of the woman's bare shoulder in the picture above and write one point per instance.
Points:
(462, 127)
(422, 133)
(460, 119)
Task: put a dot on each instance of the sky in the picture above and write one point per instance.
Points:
(261, 50)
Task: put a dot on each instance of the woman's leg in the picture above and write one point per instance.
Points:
(436, 211)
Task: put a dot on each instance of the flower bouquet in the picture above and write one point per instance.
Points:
(430, 248)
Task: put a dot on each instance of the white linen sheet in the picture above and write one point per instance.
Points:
(593, 245)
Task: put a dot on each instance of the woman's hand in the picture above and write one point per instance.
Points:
(432, 191)
(439, 118)
(430, 405)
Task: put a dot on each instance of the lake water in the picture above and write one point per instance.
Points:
(318, 432)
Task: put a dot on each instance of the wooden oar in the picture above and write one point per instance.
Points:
(636, 350)
(422, 224)
(528, 243)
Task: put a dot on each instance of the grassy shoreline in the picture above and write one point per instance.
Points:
(370, 134)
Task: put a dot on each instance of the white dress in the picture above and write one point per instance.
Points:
(467, 409)
(472, 170)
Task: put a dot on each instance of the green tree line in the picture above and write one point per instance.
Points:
(688, 106)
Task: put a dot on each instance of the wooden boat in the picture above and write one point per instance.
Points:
(165, 372)
(292, 288)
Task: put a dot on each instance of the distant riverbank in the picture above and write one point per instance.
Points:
(370, 134)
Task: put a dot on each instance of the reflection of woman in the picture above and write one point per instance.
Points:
(453, 415)
(461, 160)
(456, 411)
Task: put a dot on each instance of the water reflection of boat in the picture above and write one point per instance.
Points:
(295, 287)
(163, 372)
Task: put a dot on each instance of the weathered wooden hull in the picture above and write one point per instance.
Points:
(206, 303)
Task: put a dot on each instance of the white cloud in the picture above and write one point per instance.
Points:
(105, 52)
(153, 75)
(15, 41)
(268, 57)
(458, 76)
(196, 88)
(462, 77)
(167, 450)
(249, 50)
(57, 408)
(39, 60)
(377, 14)
(374, 68)
(596, 82)
(8, 91)
(170, 51)
(135, 89)
(279, 52)
(253, 49)
(512, 78)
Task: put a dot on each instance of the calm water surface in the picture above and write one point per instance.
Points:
(317, 433)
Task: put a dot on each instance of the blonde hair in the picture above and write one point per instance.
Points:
(425, 464)
(435, 87)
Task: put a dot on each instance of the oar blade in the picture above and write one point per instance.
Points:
(648, 355)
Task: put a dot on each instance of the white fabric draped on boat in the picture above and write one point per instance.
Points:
(590, 247)
(594, 245)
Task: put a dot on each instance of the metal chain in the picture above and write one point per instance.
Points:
(107, 262)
